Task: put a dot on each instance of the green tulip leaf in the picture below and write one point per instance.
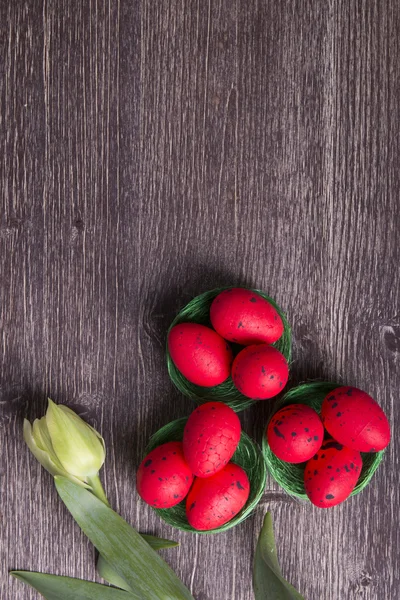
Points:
(121, 546)
(108, 574)
(268, 582)
(56, 587)
(159, 543)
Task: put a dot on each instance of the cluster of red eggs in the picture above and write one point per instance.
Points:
(204, 356)
(330, 444)
(198, 469)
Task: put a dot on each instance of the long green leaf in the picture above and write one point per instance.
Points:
(158, 543)
(121, 546)
(268, 582)
(108, 574)
(56, 587)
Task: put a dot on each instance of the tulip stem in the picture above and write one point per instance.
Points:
(97, 488)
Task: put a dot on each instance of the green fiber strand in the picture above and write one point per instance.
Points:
(247, 455)
(198, 311)
(291, 476)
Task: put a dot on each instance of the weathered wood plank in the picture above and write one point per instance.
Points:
(151, 151)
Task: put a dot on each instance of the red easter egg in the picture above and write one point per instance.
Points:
(260, 371)
(210, 438)
(295, 433)
(245, 317)
(354, 419)
(200, 354)
(331, 475)
(164, 477)
(214, 501)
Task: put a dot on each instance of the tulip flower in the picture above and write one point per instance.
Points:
(65, 445)
(73, 452)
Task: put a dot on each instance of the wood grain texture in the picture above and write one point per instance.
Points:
(151, 151)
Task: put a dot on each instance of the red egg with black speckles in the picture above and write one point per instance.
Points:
(332, 474)
(164, 477)
(210, 438)
(295, 433)
(200, 354)
(354, 419)
(260, 371)
(214, 501)
(243, 316)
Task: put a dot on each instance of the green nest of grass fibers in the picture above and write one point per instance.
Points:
(198, 311)
(291, 476)
(248, 456)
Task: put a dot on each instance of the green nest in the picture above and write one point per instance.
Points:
(198, 311)
(291, 476)
(248, 456)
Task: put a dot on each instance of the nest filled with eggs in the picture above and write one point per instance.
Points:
(199, 359)
(345, 462)
(245, 472)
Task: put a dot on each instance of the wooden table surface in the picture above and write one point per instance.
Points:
(150, 151)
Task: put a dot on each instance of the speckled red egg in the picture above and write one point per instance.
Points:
(164, 477)
(214, 501)
(245, 317)
(331, 475)
(260, 371)
(200, 354)
(210, 438)
(295, 433)
(354, 419)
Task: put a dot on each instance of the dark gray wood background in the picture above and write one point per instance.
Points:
(150, 151)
